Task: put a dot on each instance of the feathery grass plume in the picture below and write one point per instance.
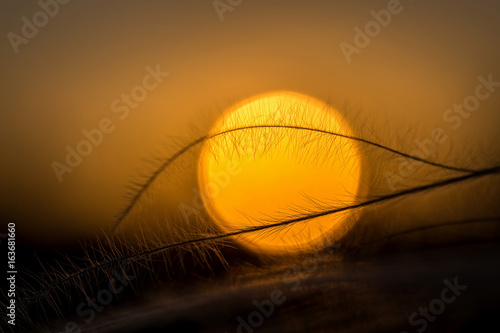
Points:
(171, 247)
(62, 284)
(267, 132)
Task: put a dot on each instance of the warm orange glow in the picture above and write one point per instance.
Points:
(252, 176)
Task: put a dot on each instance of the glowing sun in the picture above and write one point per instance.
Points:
(274, 158)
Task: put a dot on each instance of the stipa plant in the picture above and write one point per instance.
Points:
(168, 248)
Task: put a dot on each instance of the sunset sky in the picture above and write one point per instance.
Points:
(72, 74)
(250, 165)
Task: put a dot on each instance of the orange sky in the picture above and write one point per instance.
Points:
(65, 79)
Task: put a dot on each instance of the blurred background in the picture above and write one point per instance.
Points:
(140, 78)
(65, 78)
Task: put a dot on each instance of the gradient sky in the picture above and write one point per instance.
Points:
(91, 52)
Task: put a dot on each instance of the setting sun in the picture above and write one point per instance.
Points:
(275, 157)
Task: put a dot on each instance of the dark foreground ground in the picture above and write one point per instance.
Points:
(370, 293)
